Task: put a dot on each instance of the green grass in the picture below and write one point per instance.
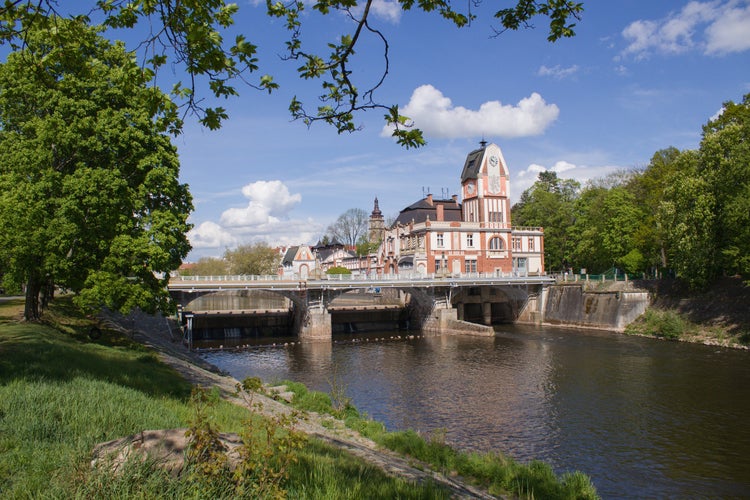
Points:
(60, 394)
(665, 324)
(499, 474)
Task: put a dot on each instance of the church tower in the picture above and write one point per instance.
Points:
(377, 224)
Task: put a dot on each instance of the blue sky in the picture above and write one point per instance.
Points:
(640, 76)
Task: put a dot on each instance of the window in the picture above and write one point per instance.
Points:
(496, 216)
(496, 243)
(437, 265)
(440, 239)
(516, 242)
(531, 244)
(470, 240)
(470, 266)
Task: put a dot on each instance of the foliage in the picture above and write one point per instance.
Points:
(89, 192)
(256, 259)
(725, 166)
(338, 270)
(207, 266)
(686, 214)
(549, 203)
(188, 35)
(666, 324)
(269, 447)
(366, 247)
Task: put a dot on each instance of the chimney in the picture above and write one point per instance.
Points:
(429, 199)
(455, 198)
(439, 214)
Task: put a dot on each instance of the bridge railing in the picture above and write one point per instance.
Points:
(233, 277)
(353, 277)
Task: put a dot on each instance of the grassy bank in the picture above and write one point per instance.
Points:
(494, 472)
(718, 315)
(62, 393)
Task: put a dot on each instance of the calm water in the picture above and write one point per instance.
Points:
(644, 418)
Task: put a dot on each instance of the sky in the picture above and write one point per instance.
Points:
(638, 77)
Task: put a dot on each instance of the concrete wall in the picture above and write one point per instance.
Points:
(572, 305)
(316, 327)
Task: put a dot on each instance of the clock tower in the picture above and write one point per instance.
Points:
(485, 182)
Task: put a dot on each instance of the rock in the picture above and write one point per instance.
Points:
(167, 448)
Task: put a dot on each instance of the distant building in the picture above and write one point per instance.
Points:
(298, 262)
(440, 236)
(447, 237)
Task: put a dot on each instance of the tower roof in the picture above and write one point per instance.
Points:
(473, 163)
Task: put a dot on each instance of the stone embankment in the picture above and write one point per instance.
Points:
(154, 333)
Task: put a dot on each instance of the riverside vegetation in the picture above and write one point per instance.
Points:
(716, 316)
(62, 393)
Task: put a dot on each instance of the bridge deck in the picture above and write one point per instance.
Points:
(218, 283)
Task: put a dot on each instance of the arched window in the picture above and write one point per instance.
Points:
(497, 243)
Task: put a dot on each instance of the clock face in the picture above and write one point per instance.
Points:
(493, 160)
(470, 188)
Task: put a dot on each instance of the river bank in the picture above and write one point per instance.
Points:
(717, 316)
(100, 394)
(151, 332)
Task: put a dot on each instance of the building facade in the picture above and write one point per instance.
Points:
(446, 237)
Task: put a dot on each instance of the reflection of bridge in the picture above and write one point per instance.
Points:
(434, 302)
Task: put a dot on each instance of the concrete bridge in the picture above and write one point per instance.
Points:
(434, 303)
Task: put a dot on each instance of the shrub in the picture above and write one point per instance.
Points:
(664, 324)
(338, 270)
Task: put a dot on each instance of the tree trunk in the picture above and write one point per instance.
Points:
(48, 293)
(31, 309)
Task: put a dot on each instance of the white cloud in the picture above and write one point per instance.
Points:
(435, 114)
(714, 27)
(564, 169)
(266, 218)
(269, 201)
(562, 166)
(386, 9)
(210, 235)
(730, 32)
(558, 72)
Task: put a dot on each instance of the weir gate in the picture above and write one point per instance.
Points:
(314, 308)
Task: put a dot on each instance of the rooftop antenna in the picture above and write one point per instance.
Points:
(444, 192)
(425, 192)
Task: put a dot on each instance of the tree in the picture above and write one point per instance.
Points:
(255, 259)
(648, 187)
(350, 227)
(549, 204)
(188, 34)
(688, 214)
(724, 164)
(89, 192)
(207, 266)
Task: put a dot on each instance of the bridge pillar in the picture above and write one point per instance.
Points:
(316, 326)
(487, 313)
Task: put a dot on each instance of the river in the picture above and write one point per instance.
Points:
(643, 418)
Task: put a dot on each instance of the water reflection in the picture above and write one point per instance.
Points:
(644, 418)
